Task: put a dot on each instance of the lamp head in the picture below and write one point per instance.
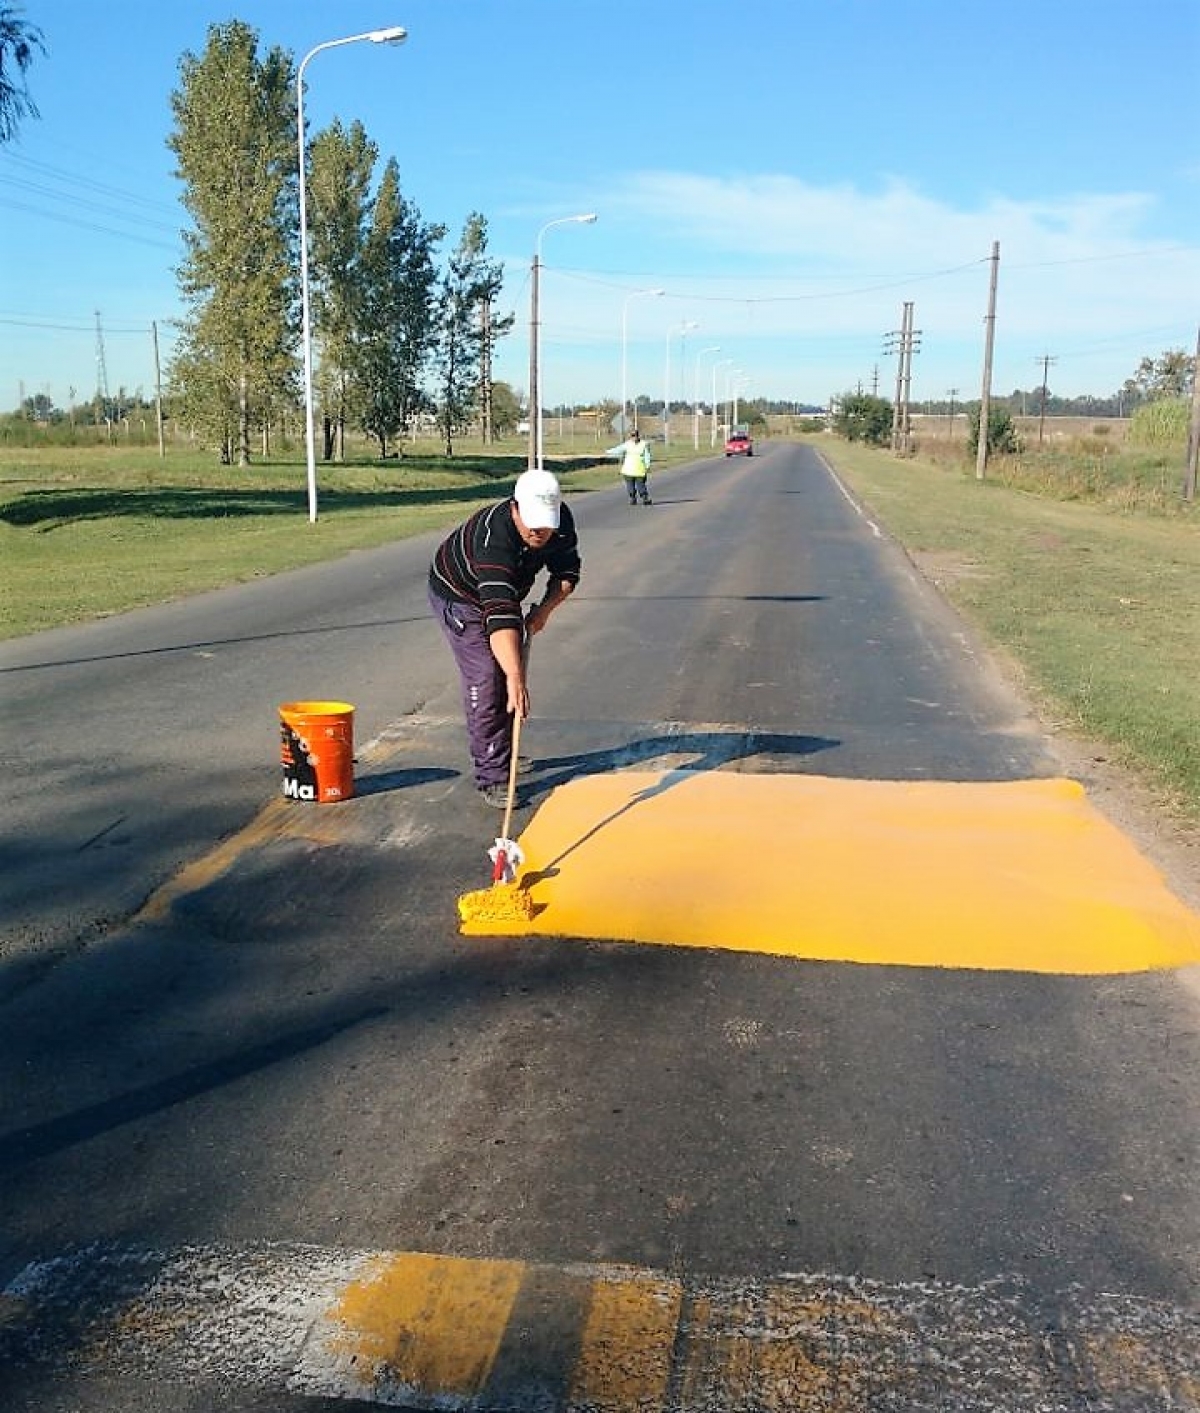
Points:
(394, 34)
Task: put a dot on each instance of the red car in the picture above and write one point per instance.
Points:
(739, 442)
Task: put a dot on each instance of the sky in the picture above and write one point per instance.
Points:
(789, 175)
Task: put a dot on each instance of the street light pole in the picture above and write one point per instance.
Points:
(682, 331)
(394, 34)
(722, 363)
(739, 384)
(535, 338)
(712, 348)
(734, 381)
(633, 294)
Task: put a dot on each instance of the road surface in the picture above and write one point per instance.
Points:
(277, 1135)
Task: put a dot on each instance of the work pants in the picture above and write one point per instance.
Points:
(484, 689)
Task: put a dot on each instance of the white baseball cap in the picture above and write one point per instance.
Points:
(538, 499)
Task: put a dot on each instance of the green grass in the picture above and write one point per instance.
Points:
(1098, 605)
(86, 532)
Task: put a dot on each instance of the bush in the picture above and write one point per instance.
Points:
(1002, 438)
(862, 417)
(1163, 422)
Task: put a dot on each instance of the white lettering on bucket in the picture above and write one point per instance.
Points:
(295, 791)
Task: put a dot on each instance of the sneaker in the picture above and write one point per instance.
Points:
(647, 501)
(495, 795)
(524, 765)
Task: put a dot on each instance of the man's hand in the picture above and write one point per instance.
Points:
(539, 615)
(509, 651)
(518, 697)
(536, 619)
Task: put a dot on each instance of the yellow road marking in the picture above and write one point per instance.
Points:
(424, 1331)
(278, 819)
(1018, 875)
(625, 1359)
(428, 1323)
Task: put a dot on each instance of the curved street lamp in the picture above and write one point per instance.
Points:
(535, 338)
(633, 294)
(394, 34)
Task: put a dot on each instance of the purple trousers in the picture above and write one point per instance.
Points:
(484, 689)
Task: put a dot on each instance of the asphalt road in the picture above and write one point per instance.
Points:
(292, 1047)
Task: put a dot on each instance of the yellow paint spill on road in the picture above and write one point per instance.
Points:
(1021, 875)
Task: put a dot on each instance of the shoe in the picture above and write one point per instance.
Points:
(524, 765)
(496, 796)
(647, 501)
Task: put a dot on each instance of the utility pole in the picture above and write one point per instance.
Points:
(1193, 452)
(486, 410)
(902, 343)
(893, 344)
(101, 371)
(989, 342)
(911, 342)
(1045, 360)
(535, 393)
(952, 393)
(158, 407)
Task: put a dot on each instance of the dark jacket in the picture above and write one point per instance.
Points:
(485, 562)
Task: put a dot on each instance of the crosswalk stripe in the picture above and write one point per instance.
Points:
(425, 1331)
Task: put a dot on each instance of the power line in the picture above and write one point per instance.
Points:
(77, 183)
(89, 225)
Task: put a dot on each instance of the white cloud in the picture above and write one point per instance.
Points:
(796, 277)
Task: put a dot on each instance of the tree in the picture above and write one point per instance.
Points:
(399, 327)
(1168, 375)
(339, 209)
(233, 140)
(863, 417)
(18, 41)
(506, 408)
(1002, 436)
(467, 329)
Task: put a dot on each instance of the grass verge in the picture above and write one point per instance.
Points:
(95, 531)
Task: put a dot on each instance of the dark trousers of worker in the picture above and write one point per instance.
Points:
(638, 486)
(484, 689)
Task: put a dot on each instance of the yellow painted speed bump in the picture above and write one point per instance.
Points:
(444, 1333)
(1021, 875)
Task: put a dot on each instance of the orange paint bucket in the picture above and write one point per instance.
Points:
(317, 748)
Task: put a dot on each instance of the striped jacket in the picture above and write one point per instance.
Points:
(486, 563)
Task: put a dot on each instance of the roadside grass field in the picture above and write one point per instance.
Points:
(1080, 563)
(91, 531)
(1088, 583)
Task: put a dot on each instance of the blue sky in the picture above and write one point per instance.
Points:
(788, 173)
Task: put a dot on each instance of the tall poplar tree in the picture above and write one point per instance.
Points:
(468, 329)
(339, 209)
(234, 144)
(399, 328)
